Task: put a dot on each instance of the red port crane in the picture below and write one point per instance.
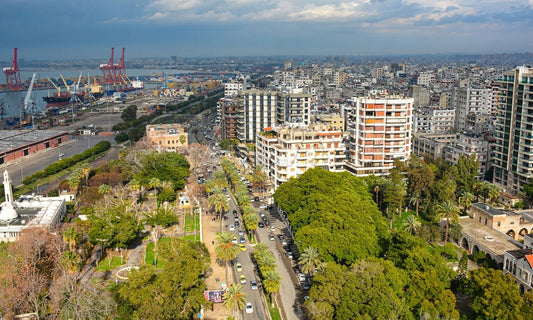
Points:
(108, 71)
(13, 74)
(115, 74)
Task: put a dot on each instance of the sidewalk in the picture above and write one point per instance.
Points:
(217, 270)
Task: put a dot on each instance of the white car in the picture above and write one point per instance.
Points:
(231, 227)
(272, 228)
(249, 307)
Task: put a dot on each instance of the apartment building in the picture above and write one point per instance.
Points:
(433, 119)
(379, 131)
(256, 110)
(288, 151)
(466, 146)
(470, 100)
(512, 154)
(293, 108)
(432, 144)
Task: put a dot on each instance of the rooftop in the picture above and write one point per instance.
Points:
(488, 237)
(11, 139)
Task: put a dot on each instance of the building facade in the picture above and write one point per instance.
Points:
(287, 152)
(470, 100)
(379, 131)
(166, 137)
(513, 147)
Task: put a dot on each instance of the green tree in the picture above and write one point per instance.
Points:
(334, 213)
(309, 260)
(173, 292)
(129, 113)
(165, 166)
(411, 224)
(271, 283)
(219, 202)
(448, 211)
(234, 298)
(72, 236)
(495, 296)
(251, 221)
(104, 190)
(465, 200)
(467, 171)
(225, 249)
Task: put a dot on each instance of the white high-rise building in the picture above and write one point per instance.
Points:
(468, 100)
(379, 130)
(287, 152)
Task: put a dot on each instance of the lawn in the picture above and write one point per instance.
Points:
(191, 224)
(398, 220)
(150, 254)
(274, 312)
(109, 263)
(191, 238)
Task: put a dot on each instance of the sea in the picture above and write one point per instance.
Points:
(13, 101)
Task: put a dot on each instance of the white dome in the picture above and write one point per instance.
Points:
(7, 212)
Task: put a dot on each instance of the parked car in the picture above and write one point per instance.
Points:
(239, 267)
(237, 224)
(241, 233)
(305, 285)
(242, 247)
(242, 240)
(231, 227)
(261, 224)
(271, 237)
(234, 240)
(253, 285)
(262, 214)
(256, 198)
(272, 228)
(301, 276)
(249, 307)
(243, 279)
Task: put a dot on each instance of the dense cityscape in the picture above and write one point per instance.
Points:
(285, 187)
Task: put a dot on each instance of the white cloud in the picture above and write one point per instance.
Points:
(356, 12)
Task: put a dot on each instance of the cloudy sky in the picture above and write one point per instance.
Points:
(49, 29)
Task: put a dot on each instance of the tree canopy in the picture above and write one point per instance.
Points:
(334, 213)
(176, 291)
(165, 166)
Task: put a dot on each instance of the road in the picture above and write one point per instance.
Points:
(288, 291)
(23, 167)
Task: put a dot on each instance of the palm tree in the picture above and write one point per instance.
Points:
(465, 200)
(74, 180)
(220, 203)
(415, 199)
(86, 169)
(104, 189)
(493, 192)
(71, 236)
(309, 260)
(251, 221)
(225, 249)
(234, 298)
(411, 224)
(271, 283)
(449, 211)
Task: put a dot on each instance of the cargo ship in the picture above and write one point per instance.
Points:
(61, 99)
(64, 98)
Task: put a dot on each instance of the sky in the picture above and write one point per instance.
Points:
(81, 29)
